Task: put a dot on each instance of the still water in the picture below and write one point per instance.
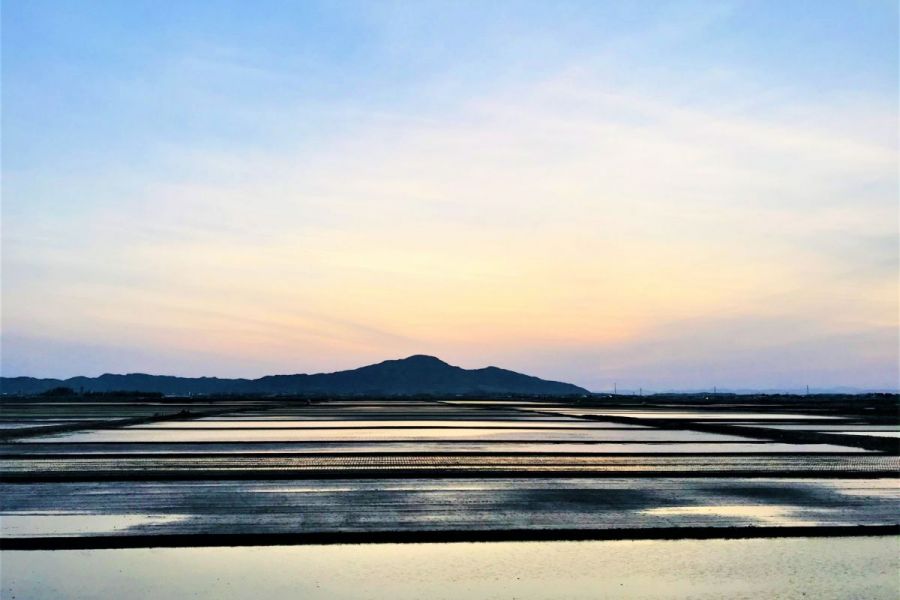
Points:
(860, 567)
(204, 435)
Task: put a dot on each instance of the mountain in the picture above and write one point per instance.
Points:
(409, 376)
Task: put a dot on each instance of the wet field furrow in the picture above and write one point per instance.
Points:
(229, 466)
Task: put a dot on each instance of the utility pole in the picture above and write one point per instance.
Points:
(615, 389)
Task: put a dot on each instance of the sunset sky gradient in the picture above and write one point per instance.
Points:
(667, 195)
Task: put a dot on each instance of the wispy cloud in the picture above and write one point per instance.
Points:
(577, 210)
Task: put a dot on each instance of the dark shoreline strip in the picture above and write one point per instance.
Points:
(437, 536)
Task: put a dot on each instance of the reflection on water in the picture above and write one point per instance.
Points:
(37, 524)
(211, 423)
(135, 435)
(766, 514)
(23, 424)
(433, 504)
(864, 567)
(453, 447)
(694, 415)
(887, 434)
(821, 427)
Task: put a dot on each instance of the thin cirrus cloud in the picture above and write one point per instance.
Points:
(578, 222)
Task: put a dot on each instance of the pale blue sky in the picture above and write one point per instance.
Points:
(662, 194)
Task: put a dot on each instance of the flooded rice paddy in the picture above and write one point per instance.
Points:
(447, 504)
(860, 567)
(84, 488)
(481, 434)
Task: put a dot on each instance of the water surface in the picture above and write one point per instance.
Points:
(861, 567)
(143, 435)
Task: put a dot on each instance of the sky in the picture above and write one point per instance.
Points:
(666, 195)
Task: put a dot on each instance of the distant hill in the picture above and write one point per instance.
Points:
(409, 376)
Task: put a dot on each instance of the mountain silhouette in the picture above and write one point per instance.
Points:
(417, 374)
